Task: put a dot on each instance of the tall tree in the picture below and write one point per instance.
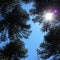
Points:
(15, 21)
(40, 7)
(14, 51)
(51, 45)
(13, 26)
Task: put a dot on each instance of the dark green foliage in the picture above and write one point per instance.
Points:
(27, 1)
(6, 5)
(51, 46)
(14, 50)
(53, 35)
(41, 6)
(13, 27)
(15, 22)
(9, 4)
(7, 1)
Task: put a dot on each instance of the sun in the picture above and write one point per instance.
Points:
(48, 16)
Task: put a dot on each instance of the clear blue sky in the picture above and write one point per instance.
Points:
(35, 38)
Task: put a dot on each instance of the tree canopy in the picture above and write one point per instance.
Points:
(13, 26)
(13, 50)
(51, 44)
(14, 21)
(42, 6)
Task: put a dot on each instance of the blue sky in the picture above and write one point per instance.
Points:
(35, 38)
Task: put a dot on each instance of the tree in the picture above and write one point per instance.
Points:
(17, 18)
(13, 26)
(51, 45)
(42, 6)
(14, 50)
(8, 4)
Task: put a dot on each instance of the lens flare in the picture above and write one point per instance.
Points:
(55, 11)
(48, 16)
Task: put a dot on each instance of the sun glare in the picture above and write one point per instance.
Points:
(48, 16)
